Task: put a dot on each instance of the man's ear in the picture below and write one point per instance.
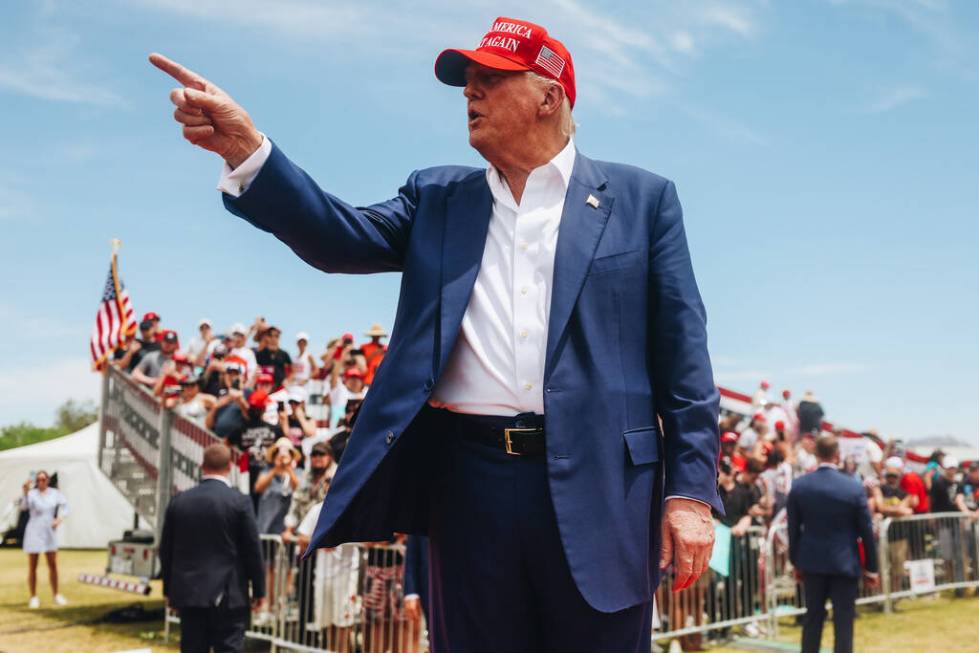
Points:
(551, 102)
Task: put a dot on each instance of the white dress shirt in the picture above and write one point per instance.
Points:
(497, 366)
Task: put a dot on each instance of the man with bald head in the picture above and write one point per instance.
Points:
(546, 411)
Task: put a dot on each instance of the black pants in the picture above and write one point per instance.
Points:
(842, 591)
(500, 579)
(220, 628)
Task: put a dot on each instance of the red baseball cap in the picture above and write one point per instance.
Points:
(258, 399)
(150, 316)
(780, 425)
(264, 378)
(729, 436)
(511, 44)
(353, 372)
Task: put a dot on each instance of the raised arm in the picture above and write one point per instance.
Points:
(324, 231)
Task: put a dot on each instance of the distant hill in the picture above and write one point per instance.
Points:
(937, 441)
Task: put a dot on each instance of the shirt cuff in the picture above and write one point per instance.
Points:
(236, 182)
(678, 496)
(411, 596)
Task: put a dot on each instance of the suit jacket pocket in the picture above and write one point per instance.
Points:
(642, 445)
(614, 262)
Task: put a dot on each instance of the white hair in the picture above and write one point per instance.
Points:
(568, 125)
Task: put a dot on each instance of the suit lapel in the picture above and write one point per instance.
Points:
(468, 210)
(582, 225)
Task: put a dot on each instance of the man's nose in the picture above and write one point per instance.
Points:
(471, 91)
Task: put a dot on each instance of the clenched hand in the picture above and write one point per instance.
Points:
(688, 537)
(211, 119)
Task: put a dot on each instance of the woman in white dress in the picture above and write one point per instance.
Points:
(47, 508)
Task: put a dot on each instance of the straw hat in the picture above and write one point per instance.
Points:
(376, 330)
(281, 443)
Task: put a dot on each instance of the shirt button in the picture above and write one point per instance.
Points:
(523, 246)
(528, 386)
(524, 290)
(524, 333)
(389, 438)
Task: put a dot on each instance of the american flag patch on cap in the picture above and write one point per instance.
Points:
(550, 61)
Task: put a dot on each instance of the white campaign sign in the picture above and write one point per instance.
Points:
(922, 574)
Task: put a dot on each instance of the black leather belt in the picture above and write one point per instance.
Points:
(520, 435)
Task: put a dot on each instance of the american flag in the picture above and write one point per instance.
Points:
(550, 61)
(115, 323)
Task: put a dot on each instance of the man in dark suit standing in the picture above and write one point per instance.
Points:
(546, 411)
(827, 513)
(209, 552)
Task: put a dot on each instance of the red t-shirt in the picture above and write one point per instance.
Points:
(913, 484)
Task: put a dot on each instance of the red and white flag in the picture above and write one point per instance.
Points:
(115, 323)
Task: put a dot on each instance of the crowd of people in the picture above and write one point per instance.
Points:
(763, 452)
(249, 390)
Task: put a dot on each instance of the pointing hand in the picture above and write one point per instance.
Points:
(211, 119)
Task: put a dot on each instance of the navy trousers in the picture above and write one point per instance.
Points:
(842, 591)
(219, 628)
(500, 579)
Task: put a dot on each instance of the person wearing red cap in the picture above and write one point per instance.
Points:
(549, 525)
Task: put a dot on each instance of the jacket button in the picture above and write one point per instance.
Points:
(389, 438)
(429, 384)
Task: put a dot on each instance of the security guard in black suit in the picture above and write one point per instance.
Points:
(209, 553)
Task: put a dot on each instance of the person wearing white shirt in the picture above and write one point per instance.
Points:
(547, 288)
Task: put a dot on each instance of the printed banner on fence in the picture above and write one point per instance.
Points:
(922, 573)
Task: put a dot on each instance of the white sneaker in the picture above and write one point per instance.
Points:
(34, 603)
(60, 599)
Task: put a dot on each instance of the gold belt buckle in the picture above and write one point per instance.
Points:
(509, 442)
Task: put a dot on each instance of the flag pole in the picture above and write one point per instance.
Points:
(116, 244)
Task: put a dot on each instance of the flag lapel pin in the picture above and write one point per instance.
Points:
(592, 201)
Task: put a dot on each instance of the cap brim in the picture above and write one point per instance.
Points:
(450, 65)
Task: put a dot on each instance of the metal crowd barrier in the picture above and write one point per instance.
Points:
(349, 599)
(918, 555)
(724, 597)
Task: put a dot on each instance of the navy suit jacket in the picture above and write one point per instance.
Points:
(209, 548)
(626, 347)
(827, 512)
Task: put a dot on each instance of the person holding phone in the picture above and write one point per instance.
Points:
(48, 508)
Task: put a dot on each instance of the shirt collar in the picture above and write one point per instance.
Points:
(216, 477)
(828, 466)
(562, 163)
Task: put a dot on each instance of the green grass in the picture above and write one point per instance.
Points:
(73, 628)
(923, 625)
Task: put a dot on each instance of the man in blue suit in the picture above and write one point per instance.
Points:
(827, 513)
(546, 411)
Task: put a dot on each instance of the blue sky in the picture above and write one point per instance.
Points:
(825, 154)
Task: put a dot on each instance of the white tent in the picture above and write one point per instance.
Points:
(97, 510)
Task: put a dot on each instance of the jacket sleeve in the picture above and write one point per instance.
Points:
(166, 548)
(865, 528)
(250, 547)
(686, 398)
(795, 525)
(323, 230)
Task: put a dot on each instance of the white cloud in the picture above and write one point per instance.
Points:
(616, 58)
(895, 97)
(731, 17)
(33, 392)
(52, 70)
(735, 376)
(828, 369)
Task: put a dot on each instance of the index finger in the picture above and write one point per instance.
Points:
(183, 75)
